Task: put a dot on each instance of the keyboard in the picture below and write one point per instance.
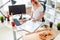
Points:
(30, 25)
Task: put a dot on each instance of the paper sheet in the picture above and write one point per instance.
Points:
(30, 26)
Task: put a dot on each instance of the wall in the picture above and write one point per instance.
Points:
(1, 9)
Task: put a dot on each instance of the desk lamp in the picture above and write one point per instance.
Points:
(12, 2)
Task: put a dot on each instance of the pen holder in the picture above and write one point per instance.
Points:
(51, 24)
(2, 19)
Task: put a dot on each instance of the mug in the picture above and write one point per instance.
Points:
(51, 24)
(13, 24)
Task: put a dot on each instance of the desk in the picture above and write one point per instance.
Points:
(34, 36)
(14, 31)
(54, 30)
(8, 25)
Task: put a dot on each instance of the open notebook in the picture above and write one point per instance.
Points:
(30, 25)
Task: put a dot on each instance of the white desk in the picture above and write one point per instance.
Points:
(57, 37)
(14, 30)
(8, 25)
(34, 36)
(27, 25)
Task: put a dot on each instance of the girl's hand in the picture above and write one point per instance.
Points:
(34, 20)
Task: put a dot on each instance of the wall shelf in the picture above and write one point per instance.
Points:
(53, 9)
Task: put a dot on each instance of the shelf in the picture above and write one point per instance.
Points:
(50, 6)
(53, 0)
(52, 10)
(58, 1)
(51, 13)
(56, 21)
(57, 17)
(48, 19)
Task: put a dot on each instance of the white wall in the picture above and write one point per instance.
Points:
(1, 9)
(6, 6)
(18, 2)
(0, 2)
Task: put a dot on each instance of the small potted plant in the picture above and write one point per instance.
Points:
(2, 19)
(46, 26)
(58, 26)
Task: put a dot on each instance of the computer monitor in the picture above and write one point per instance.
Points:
(17, 9)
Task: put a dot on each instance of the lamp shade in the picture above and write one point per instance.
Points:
(13, 2)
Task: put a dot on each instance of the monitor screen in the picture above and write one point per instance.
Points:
(17, 9)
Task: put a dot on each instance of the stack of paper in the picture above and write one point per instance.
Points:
(30, 26)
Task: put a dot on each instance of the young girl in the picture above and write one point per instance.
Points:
(37, 11)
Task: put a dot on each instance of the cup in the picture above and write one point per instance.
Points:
(43, 20)
(51, 24)
(13, 24)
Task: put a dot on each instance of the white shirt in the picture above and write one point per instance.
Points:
(36, 12)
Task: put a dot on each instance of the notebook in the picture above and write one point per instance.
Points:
(30, 25)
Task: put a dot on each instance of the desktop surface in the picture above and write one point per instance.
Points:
(54, 31)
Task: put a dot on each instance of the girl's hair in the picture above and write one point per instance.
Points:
(34, 2)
